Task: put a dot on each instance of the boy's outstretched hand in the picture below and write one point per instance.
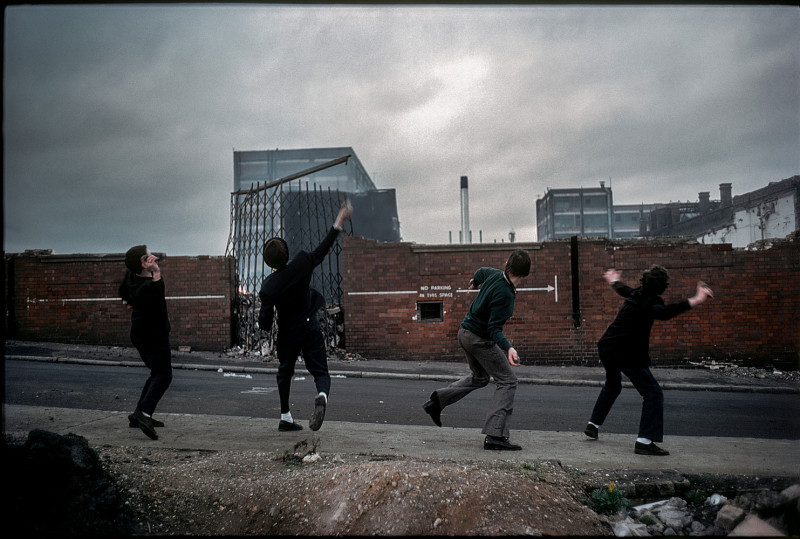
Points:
(702, 293)
(344, 213)
(612, 276)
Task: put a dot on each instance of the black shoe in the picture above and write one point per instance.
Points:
(134, 424)
(318, 416)
(649, 449)
(144, 423)
(285, 426)
(590, 431)
(499, 444)
(433, 409)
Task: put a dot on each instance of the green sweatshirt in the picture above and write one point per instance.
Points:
(493, 306)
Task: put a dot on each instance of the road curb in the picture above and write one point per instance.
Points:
(733, 388)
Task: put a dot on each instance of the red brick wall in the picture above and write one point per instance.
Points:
(753, 319)
(74, 299)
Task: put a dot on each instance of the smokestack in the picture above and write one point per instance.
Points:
(465, 236)
(725, 195)
(704, 202)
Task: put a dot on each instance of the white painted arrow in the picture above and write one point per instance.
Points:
(548, 288)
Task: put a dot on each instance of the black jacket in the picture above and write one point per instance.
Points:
(626, 342)
(288, 289)
(149, 318)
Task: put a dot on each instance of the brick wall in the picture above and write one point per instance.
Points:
(562, 308)
(74, 299)
(753, 320)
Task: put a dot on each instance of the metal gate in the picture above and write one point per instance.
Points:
(302, 215)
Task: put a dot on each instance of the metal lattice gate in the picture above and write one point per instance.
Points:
(302, 215)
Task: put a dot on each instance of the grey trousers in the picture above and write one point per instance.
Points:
(486, 360)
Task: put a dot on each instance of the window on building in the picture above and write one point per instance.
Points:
(430, 311)
(567, 203)
(595, 201)
(568, 222)
(596, 221)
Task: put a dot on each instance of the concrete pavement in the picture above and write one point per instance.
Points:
(736, 456)
(689, 454)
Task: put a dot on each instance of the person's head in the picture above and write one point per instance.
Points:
(518, 264)
(655, 280)
(276, 253)
(134, 258)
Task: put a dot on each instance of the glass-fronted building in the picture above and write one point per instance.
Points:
(295, 194)
(589, 212)
(582, 211)
(376, 209)
(268, 166)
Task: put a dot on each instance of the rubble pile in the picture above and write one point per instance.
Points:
(732, 370)
(761, 374)
(267, 354)
(763, 513)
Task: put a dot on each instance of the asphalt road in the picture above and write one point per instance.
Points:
(396, 401)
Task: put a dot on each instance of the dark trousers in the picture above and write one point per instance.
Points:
(157, 356)
(310, 343)
(651, 422)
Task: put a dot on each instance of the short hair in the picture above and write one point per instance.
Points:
(655, 279)
(276, 253)
(519, 263)
(133, 258)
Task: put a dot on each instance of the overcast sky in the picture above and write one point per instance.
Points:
(119, 122)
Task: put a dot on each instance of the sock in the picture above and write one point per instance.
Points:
(324, 395)
(645, 441)
(287, 417)
(596, 426)
(146, 415)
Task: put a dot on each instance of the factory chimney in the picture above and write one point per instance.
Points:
(725, 195)
(465, 235)
(704, 202)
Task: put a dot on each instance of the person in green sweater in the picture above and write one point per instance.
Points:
(489, 353)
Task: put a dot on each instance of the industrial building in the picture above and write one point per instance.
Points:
(764, 214)
(587, 212)
(376, 209)
(767, 213)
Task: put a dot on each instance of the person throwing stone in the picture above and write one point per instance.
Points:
(489, 353)
(287, 290)
(624, 349)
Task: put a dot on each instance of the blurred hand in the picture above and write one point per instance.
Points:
(702, 293)
(611, 276)
(344, 213)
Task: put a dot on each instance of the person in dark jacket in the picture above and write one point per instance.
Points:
(287, 290)
(489, 353)
(624, 349)
(143, 290)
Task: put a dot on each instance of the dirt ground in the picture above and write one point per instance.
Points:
(174, 492)
(60, 486)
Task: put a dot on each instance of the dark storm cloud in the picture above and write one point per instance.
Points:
(120, 121)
